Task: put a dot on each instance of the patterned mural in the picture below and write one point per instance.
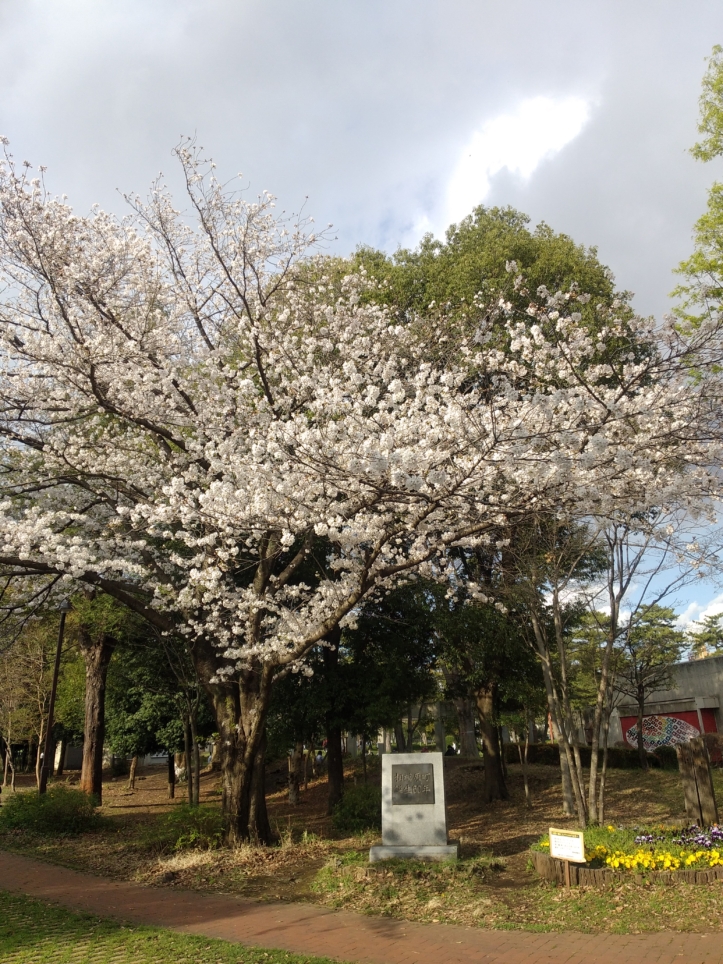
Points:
(661, 731)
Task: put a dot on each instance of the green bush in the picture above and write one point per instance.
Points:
(186, 828)
(359, 809)
(667, 757)
(59, 811)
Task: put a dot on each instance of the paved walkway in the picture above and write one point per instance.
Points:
(306, 929)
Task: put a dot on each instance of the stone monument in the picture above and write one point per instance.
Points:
(414, 815)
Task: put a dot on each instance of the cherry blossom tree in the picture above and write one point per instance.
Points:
(197, 422)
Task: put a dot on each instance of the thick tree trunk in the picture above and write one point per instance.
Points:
(240, 711)
(171, 776)
(467, 739)
(495, 788)
(97, 652)
(399, 737)
(132, 773)
(241, 708)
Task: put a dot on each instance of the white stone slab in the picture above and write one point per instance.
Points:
(414, 813)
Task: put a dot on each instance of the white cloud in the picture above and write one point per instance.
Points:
(696, 612)
(517, 142)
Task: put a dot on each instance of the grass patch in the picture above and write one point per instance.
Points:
(480, 892)
(34, 933)
(59, 812)
(418, 890)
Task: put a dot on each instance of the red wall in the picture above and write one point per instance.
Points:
(689, 716)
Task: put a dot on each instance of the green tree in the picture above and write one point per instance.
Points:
(475, 258)
(701, 291)
(708, 640)
(652, 645)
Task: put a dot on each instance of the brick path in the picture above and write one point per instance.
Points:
(307, 929)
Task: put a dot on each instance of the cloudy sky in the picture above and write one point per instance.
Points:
(393, 117)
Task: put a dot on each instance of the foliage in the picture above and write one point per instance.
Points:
(31, 931)
(384, 665)
(185, 827)
(710, 122)
(360, 809)
(58, 812)
(706, 637)
(652, 646)
(145, 698)
(474, 258)
(361, 419)
(701, 292)
(243, 450)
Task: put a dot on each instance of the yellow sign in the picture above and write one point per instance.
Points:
(567, 845)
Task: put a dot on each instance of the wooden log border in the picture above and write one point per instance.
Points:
(549, 868)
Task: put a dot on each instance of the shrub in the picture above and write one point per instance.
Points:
(359, 809)
(667, 757)
(59, 811)
(186, 828)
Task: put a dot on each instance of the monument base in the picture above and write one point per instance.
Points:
(449, 852)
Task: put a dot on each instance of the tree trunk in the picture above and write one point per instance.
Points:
(60, 769)
(642, 752)
(195, 750)
(240, 711)
(189, 761)
(38, 757)
(364, 757)
(9, 764)
(132, 772)
(399, 737)
(495, 788)
(295, 764)
(604, 770)
(467, 739)
(216, 755)
(569, 799)
(97, 652)
(171, 776)
(523, 764)
(601, 703)
(241, 708)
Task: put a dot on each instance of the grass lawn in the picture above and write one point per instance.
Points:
(492, 886)
(32, 932)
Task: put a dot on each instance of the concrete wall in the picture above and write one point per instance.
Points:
(698, 685)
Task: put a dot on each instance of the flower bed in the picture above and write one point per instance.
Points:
(661, 853)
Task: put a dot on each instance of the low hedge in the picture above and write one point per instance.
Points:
(619, 758)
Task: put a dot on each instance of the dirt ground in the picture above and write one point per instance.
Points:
(504, 829)
(493, 885)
